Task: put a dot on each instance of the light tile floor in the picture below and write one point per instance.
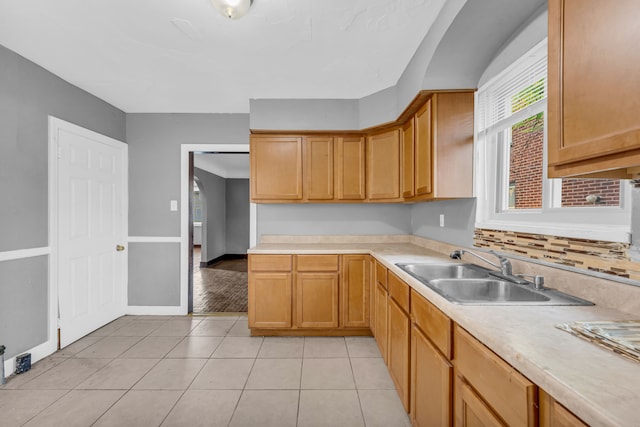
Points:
(204, 371)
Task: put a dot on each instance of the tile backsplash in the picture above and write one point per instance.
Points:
(594, 255)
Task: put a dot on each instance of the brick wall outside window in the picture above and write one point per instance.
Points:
(525, 173)
(525, 164)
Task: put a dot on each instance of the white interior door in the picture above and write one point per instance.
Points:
(92, 230)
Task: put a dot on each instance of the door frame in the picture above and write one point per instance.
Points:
(54, 125)
(185, 151)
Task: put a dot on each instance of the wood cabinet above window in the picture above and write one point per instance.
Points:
(594, 88)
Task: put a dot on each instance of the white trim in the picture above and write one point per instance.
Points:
(185, 149)
(144, 310)
(24, 253)
(38, 352)
(153, 239)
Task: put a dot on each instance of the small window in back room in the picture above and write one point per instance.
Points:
(197, 203)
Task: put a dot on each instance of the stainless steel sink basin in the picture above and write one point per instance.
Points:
(445, 271)
(477, 291)
(469, 284)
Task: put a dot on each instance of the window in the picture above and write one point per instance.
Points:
(197, 203)
(512, 187)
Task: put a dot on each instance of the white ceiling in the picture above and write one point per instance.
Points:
(223, 165)
(181, 56)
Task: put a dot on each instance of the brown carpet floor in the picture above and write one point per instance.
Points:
(221, 287)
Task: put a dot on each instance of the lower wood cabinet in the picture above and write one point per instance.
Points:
(381, 320)
(317, 300)
(309, 294)
(354, 300)
(398, 351)
(471, 410)
(431, 387)
(553, 414)
(399, 336)
(270, 300)
(508, 395)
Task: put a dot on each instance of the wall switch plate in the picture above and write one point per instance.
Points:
(174, 205)
(441, 220)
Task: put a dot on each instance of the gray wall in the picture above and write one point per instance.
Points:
(473, 40)
(154, 274)
(154, 179)
(28, 95)
(334, 219)
(214, 225)
(154, 162)
(459, 221)
(302, 114)
(237, 214)
(24, 307)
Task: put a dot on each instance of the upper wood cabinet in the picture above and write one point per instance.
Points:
(452, 145)
(383, 165)
(407, 181)
(442, 148)
(426, 154)
(423, 145)
(276, 168)
(318, 168)
(594, 88)
(350, 167)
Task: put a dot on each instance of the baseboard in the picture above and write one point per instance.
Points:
(224, 257)
(148, 310)
(38, 352)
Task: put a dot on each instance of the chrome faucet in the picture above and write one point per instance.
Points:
(506, 271)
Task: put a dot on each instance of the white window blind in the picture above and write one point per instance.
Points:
(515, 91)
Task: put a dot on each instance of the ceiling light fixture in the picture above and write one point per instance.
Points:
(232, 9)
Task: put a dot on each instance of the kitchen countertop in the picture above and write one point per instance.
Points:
(599, 386)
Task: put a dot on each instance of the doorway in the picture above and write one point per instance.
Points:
(212, 168)
(220, 215)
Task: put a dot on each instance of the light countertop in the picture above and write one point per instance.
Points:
(599, 386)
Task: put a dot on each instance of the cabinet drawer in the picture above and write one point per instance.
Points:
(270, 262)
(399, 291)
(510, 394)
(317, 262)
(381, 274)
(434, 323)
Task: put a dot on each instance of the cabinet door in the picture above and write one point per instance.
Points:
(350, 168)
(431, 387)
(593, 113)
(381, 320)
(355, 291)
(383, 166)
(270, 300)
(423, 150)
(398, 350)
(372, 294)
(276, 168)
(408, 169)
(471, 410)
(317, 300)
(552, 414)
(318, 168)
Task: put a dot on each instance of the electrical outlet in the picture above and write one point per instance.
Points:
(441, 220)
(174, 205)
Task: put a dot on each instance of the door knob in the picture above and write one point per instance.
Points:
(119, 248)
